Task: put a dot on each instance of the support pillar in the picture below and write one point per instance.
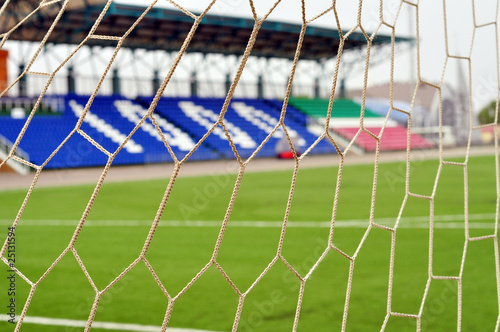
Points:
(343, 93)
(260, 88)
(70, 79)
(116, 82)
(156, 81)
(228, 82)
(316, 88)
(194, 85)
(23, 82)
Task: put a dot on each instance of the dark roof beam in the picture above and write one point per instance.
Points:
(166, 29)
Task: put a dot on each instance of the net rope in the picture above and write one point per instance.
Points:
(326, 135)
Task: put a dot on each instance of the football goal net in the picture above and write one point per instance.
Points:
(395, 228)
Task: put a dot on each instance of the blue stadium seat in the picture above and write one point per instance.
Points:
(110, 120)
(184, 123)
(247, 120)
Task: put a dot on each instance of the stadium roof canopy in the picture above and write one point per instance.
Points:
(166, 29)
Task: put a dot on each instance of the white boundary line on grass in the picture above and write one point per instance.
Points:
(100, 325)
(440, 221)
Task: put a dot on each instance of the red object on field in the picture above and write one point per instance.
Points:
(286, 155)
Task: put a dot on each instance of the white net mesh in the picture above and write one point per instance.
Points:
(480, 32)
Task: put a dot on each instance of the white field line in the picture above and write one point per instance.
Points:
(100, 325)
(440, 221)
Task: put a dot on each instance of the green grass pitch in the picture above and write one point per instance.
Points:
(118, 226)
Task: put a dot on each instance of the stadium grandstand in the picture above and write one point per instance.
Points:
(191, 102)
